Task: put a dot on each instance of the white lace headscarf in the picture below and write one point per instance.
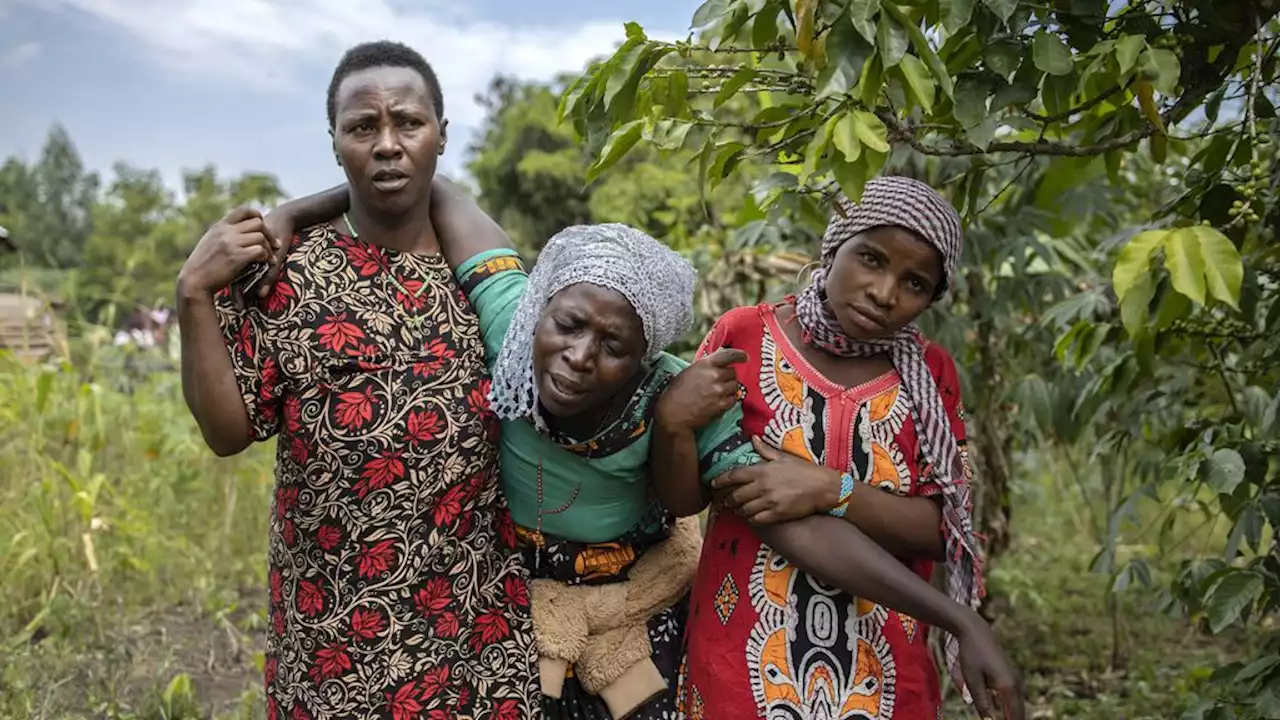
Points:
(655, 279)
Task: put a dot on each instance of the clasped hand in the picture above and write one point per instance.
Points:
(782, 488)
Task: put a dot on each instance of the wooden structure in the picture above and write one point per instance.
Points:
(29, 325)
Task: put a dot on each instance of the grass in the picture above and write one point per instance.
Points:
(134, 568)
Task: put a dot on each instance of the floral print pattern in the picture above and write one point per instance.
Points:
(396, 590)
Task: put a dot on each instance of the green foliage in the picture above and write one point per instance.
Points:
(120, 250)
(116, 518)
(48, 207)
(1114, 164)
(534, 176)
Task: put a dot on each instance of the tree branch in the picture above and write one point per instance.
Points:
(899, 132)
(1082, 107)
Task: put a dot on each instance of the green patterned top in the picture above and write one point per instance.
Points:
(608, 472)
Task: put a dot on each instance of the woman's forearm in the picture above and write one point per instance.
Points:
(464, 229)
(208, 379)
(909, 527)
(676, 471)
(839, 554)
(318, 208)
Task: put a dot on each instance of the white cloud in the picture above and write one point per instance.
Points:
(15, 58)
(266, 44)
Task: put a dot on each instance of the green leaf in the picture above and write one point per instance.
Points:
(1257, 669)
(872, 82)
(738, 18)
(1002, 8)
(618, 145)
(573, 95)
(1225, 471)
(764, 31)
(847, 52)
(1034, 393)
(851, 176)
(709, 12)
(1168, 70)
(1234, 592)
(1114, 160)
(1223, 268)
(677, 91)
(970, 100)
(1015, 93)
(871, 131)
(817, 148)
(623, 63)
(974, 194)
(845, 137)
(1051, 54)
(635, 32)
(1136, 303)
(922, 46)
(43, 385)
(1271, 504)
(1186, 267)
(918, 82)
(1056, 93)
(861, 13)
(1003, 57)
(727, 157)
(1135, 260)
(775, 181)
(733, 85)
(1127, 50)
(1214, 104)
(955, 14)
(983, 133)
(891, 39)
(1171, 308)
(671, 134)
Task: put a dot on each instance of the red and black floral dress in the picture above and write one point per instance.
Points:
(395, 587)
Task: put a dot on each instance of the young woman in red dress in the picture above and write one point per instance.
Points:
(866, 415)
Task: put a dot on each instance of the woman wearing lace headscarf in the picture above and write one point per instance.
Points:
(866, 412)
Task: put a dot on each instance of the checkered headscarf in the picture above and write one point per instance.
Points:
(912, 205)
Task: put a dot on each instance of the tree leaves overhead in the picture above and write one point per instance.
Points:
(1050, 54)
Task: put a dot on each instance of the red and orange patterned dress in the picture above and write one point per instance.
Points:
(395, 587)
(766, 640)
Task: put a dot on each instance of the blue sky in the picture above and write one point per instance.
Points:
(173, 84)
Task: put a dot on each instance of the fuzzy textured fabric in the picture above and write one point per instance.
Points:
(913, 205)
(602, 629)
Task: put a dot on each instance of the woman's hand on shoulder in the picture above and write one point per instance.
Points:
(701, 392)
(235, 241)
(780, 489)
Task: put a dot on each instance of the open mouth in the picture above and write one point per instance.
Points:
(390, 179)
(564, 388)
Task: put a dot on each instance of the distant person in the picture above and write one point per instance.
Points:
(866, 412)
(396, 589)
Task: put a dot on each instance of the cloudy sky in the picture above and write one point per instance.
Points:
(175, 84)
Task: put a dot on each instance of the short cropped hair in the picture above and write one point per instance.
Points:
(384, 53)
